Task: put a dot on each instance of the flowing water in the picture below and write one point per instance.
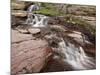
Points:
(32, 8)
(36, 20)
(74, 56)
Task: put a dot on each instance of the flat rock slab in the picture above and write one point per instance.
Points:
(29, 56)
(75, 35)
(77, 32)
(19, 13)
(18, 37)
(24, 31)
(34, 30)
(58, 27)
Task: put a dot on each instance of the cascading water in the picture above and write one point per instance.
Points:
(40, 21)
(36, 20)
(32, 8)
(75, 57)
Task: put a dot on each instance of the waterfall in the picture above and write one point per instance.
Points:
(72, 55)
(36, 20)
(41, 20)
(32, 8)
(75, 56)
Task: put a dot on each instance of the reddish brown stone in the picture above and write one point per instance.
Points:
(28, 55)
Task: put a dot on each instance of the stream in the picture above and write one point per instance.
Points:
(69, 54)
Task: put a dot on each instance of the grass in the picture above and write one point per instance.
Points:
(81, 23)
(49, 9)
(50, 12)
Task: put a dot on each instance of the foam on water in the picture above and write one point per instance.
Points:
(75, 56)
(36, 20)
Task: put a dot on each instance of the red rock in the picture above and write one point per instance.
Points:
(28, 56)
(24, 31)
(18, 37)
(91, 49)
(34, 31)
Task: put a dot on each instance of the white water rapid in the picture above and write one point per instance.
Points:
(36, 20)
(75, 57)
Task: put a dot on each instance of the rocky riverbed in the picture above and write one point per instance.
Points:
(52, 48)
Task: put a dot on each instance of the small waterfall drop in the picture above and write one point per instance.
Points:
(72, 55)
(41, 20)
(75, 56)
(32, 8)
(36, 20)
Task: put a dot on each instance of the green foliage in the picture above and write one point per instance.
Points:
(49, 9)
(81, 23)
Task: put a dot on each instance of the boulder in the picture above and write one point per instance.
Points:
(28, 55)
(79, 37)
(76, 36)
(34, 30)
(90, 49)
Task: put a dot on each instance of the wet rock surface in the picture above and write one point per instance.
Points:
(56, 66)
(31, 49)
